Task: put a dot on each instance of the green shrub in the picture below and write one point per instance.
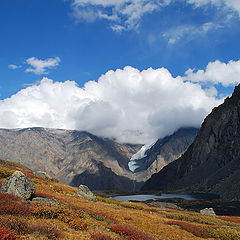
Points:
(225, 233)
(198, 218)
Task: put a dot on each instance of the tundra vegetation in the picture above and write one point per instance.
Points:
(78, 218)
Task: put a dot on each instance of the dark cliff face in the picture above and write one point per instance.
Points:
(212, 162)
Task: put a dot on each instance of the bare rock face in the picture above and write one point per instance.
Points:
(18, 184)
(83, 191)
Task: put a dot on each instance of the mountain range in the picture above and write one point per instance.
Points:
(78, 157)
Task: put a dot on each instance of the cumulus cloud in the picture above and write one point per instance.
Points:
(13, 66)
(39, 66)
(122, 14)
(216, 72)
(128, 105)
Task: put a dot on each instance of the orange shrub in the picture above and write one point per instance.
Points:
(7, 234)
(43, 210)
(195, 230)
(130, 232)
(10, 204)
(74, 223)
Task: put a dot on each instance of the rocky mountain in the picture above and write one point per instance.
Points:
(70, 155)
(77, 157)
(212, 162)
(164, 151)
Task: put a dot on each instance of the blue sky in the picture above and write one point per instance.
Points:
(80, 40)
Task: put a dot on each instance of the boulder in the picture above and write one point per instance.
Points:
(18, 184)
(42, 175)
(83, 191)
(45, 200)
(207, 211)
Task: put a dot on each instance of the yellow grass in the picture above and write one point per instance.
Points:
(78, 218)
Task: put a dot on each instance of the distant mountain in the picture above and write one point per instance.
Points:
(212, 162)
(67, 154)
(164, 151)
(77, 157)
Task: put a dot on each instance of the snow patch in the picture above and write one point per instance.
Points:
(132, 165)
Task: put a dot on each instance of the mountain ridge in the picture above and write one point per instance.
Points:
(211, 163)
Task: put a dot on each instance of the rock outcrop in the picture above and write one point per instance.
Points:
(212, 162)
(208, 211)
(18, 184)
(42, 175)
(83, 191)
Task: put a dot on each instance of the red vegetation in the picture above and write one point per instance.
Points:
(130, 233)
(50, 232)
(100, 236)
(7, 234)
(15, 223)
(195, 230)
(230, 219)
(14, 205)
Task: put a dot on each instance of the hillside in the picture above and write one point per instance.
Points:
(212, 162)
(78, 218)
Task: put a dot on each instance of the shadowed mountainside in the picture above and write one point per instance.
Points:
(212, 162)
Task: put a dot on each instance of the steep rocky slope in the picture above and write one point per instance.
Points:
(164, 151)
(212, 162)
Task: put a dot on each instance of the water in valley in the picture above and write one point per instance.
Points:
(144, 197)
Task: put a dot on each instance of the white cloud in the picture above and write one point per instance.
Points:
(188, 32)
(13, 66)
(127, 14)
(39, 66)
(216, 72)
(129, 105)
(227, 4)
(122, 14)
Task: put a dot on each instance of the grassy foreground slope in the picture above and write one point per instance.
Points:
(77, 218)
